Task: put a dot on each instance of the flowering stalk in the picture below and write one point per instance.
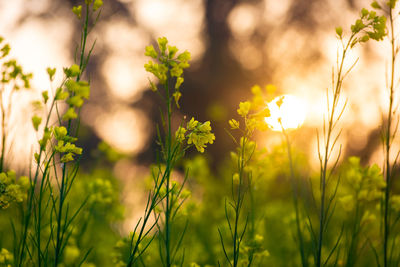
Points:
(389, 135)
(74, 92)
(242, 178)
(166, 192)
(12, 80)
(295, 195)
(369, 26)
(366, 186)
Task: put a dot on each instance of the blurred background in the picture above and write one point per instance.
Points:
(234, 45)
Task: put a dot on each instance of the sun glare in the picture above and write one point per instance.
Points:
(287, 112)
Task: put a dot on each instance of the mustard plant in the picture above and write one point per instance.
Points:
(13, 80)
(52, 219)
(295, 183)
(167, 196)
(253, 114)
(368, 26)
(389, 132)
(361, 191)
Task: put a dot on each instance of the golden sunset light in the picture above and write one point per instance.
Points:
(287, 112)
(199, 133)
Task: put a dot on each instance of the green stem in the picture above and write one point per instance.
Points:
(64, 179)
(25, 223)
(352, 253)
(59, 238)
(294, 183)
(168, 163)
(387, 148)
(238, 203)
(324, 167)
(3, 131)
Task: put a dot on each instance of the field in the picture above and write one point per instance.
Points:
(202, 195)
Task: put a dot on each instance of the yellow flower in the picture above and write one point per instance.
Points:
(180, 134)
(70, 114)
(177, 95)
(192, 124)
(97, 4)
(77, 11)
(5, 257)
(36, 122)
(347, 202)
(201, 136)
(244, 108)
(234, 124)
(151, 52)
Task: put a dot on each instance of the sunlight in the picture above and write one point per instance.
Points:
(287, 111)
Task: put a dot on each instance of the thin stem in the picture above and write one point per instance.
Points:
(168, 162)
(328, 148)
(3, 132)
(294, 183)
(31, 194)
(388, 146)
(239, 200)
(61, 230)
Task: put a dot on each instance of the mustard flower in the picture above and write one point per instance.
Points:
(234, 124)
(244, 108)
(151, 52)
(177, 95)
(6, 257)
(72, 71)
(192, 124)
(70, 114)
(51, 72)
(36, 122)
(179, 82)
(61, 94)
(180, 134)
(77, 10)
(162, 44)
(97, 4)
(201, 136)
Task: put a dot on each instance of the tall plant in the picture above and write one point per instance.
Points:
(167, 196)
(47, 220)
(253, 114)
(368, 26)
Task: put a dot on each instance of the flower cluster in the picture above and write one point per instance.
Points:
(122, 250)
(102, 192)
(78, 91)
(11, 71)
(65, 144)
(11, 189)
(253, 112)
(170, 66)
(77, 10)
(254, 249)
(6, 258)
(369, 25)
(367, 184)
(196, 133)
(74, 93)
